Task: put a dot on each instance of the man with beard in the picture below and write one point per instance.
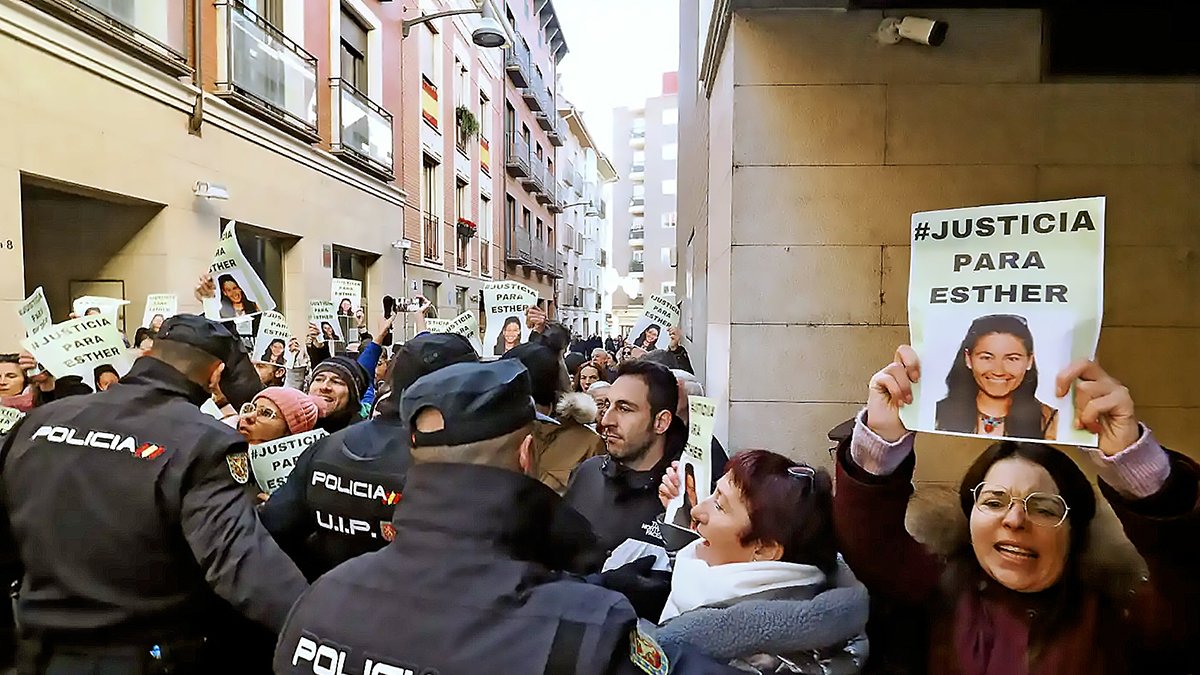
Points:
(617, 492)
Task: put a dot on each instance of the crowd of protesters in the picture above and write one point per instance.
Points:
(507, 514)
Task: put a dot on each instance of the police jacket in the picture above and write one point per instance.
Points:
(471, 584)
(338, 501)
(127, 517)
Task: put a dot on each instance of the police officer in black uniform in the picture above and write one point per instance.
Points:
(338, 501)
(133, 535)
(472, 581)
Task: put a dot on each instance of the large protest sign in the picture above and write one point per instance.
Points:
(270, 344)
(92, 305)
(1001, 298)
(467, 325)
(272, 462)
(79, 346)
(34, 312)
(239, 290)
(506, 303)
(159, 308)
(8, 418)
(650, 330)
(346, 295)
(438, 325)
(323, 315)
(695, 464)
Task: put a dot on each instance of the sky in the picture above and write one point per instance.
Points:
(619, 50)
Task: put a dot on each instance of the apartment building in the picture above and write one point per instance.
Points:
(533, 131)
(453, 102)
(644, 216)
(810, 146)
(584, 228)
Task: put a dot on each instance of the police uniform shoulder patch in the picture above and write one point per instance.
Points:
(645, 653)
(239, 466)
(387, 530)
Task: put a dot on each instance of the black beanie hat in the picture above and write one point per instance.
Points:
(351, 373)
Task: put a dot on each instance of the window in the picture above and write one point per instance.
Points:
(485, 117)
(639, 158)
(462, 77)
(510, 213)
(526, 219)
(670, 151)
(271, 10)
(485, 236)
(525, 133)
(665, 256)
(264, 252)
(638, 129)
(668, 186)
(350, 265)
(460, 298)
(431, 205)
(668, 220)
(429, 57)
(668, 288)
(541, 230)
(354, 52)
(429, 289)
(510, 119)
(539, 150)
(462, 209)
(1157, 40)
(670, 116)
(639, 256)
(639, 191)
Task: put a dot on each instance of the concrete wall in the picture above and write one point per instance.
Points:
(836, 140)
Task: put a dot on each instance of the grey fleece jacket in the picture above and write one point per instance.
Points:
(742, 629)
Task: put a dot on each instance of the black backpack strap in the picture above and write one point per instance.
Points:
(564, 650)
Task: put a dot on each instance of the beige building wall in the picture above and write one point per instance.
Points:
(821, 143)
(77, 112)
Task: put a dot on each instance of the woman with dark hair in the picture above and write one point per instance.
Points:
(143, 340)
(345, 308)
(156, 323)
(328, 334)
(649, 337)
(1018, 595)
(275, 352)
(992, 383)
(105, 376)
(586, 375)
(762, 587)
(509, 337)
(234, 302)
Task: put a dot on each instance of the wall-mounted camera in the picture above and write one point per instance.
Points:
(924, 31)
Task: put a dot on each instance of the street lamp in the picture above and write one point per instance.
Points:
(591, 211)
(490, 33)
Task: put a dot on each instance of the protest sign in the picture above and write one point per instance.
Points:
(1001, 298)
(8, 418)
(650, 330)
(467, 325)
(239, 290)
(438, 325)
(159, 307)
(270, 344)
(695, 464)
(322, 314)
(506, 303)
(34, 312)
(347, 298)
(272, 462)
(79, 346)
(91, 305)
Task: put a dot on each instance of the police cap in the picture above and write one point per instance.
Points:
(196, 331)
(477, 401)
(426, 353)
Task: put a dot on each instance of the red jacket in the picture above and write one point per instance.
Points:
(983, 628)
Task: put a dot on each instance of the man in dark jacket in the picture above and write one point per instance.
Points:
(131, 526)
(472, 580)
(338, 501)
(618, 492)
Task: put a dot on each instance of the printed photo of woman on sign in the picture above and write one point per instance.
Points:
(234, 302)
(509, 337)
(649, 337)
(992, 383)
(275, 353)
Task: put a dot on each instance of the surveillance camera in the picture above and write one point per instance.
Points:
(924, 31)
(489, 34)
(402, 244)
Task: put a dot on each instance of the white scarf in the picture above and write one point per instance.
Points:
(694, 583)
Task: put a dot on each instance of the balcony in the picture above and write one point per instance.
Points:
(549, 192)
(558, 134)
(261, 71)
(516, 159)
(603, 208)
(637, 234)
(518, 249)
(539, 254)
(537, 174)
(603, 258)
(637, 266)
(553, 262)
(362, 131)
(534, 93)
(516, 62)
(637, 206)
(568, 237)
(548, 118)
(560, 197)
(430, 229)
(568, 173)
(637, 173)
(485, 258)
(155, 31)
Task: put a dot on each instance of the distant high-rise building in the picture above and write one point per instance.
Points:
(645, 148)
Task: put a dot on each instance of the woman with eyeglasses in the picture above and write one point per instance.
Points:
(277, 412)
(992, 383)
(1020, 595)
(762, 587)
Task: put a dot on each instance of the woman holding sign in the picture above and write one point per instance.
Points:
(992, 384)
(1020, 594)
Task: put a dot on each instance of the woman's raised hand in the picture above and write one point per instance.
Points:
(1103, 405)
(669, 488)
(205, 287)
(891, 388)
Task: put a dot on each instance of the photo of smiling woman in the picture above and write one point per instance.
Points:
(992, 383)
(234, 302)
(509, 337)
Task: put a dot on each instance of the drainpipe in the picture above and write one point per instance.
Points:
(196, 119)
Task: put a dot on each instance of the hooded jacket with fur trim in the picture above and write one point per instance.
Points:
(558, 449)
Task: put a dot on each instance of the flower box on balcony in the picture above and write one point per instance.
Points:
(466, 228)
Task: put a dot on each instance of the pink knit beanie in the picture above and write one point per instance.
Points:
(300, 411)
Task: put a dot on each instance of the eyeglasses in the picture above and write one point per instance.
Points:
(265, 413)
(1042, 509)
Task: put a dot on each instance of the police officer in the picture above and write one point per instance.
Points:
(471, 582)
(338, 501)
(130, 526)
